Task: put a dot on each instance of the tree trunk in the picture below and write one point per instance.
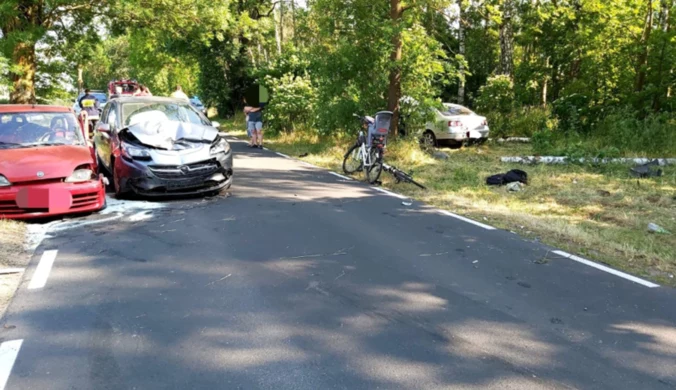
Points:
(506, 40)
(23, 78)
(664, 24)
(293, 21)
(80, 81)
(642, 60)
(278, 32)
(545, 79)
(394, 90)
(461, 51)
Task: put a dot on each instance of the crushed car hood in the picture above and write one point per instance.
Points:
(171, 135)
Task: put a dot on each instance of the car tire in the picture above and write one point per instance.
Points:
(429, 139)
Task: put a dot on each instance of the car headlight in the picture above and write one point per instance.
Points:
(4, 182)
(80, 175)
(222, 146)
(132, 151)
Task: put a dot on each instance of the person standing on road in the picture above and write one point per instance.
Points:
(254, 124)
(179, 94)
(249, 133)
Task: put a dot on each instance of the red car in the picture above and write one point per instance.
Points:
(46, 165)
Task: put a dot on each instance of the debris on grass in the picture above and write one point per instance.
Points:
(655, 228)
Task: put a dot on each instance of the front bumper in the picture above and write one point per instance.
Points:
(85, 197)
(147, 179)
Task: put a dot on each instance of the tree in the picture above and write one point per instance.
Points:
(24, 23)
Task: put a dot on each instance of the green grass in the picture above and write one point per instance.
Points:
(599, 212)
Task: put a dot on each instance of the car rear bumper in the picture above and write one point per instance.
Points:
(146, 179)
(84, 197)
(461, 135)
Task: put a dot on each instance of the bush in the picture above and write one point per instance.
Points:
(617, 134)
(292, 103)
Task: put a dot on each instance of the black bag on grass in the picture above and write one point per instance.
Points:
(509, 177)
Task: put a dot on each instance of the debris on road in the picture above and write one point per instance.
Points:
(7, 271)
(655, 228)
(475, 261)
(304, 155)
(407, 202)
(219, 280)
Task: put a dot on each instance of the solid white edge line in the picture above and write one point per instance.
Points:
(9, 350)
(339, 175)
(473, 222)
(282, 154)
(39, 278)
(390, 193)
(606, 269)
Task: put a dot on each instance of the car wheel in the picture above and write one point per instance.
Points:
(429, 140)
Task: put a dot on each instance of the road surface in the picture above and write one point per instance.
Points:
(304, 280)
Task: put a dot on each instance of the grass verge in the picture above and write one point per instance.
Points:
(12, 254)
(599, 212)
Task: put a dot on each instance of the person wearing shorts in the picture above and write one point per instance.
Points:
(254, 124)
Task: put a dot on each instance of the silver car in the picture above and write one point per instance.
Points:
(154, 146)
(455, 124)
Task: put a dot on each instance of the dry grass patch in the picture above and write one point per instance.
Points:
(12, 254)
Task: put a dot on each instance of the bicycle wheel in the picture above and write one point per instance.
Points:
(352, 162)
(376, 168)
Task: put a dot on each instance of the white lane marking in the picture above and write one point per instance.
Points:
(9, 350)
(473, 222)
(41, 273)
(606, 269)
(74, 224)
(282, 154)
(390, 193)
(339, 175)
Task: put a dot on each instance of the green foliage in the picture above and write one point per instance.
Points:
(293, 102)
(497, 96)
(618, 133)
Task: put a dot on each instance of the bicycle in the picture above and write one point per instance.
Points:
(368, 156)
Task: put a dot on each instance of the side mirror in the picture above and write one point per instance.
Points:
(103, 128)
(215, 124)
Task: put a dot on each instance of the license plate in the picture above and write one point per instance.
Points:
(53, 199)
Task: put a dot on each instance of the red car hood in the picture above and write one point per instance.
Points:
(55, 162)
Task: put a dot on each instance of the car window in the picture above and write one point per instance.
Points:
(39, 129)
(158, 111)
(112, 117)
(456, 110)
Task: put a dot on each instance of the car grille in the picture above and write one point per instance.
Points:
(9, 208)
(84, 200)
(184, 171)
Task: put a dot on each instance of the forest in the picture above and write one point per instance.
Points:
(581, 77)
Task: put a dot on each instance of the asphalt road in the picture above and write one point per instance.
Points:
(302, 280)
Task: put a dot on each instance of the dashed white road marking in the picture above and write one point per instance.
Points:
(339, 175)
(41, 273)
(282, 154)
(9, 350)
(390, 193)
(606, 269)
(460, 217)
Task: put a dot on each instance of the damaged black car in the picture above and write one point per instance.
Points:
(153, 146)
